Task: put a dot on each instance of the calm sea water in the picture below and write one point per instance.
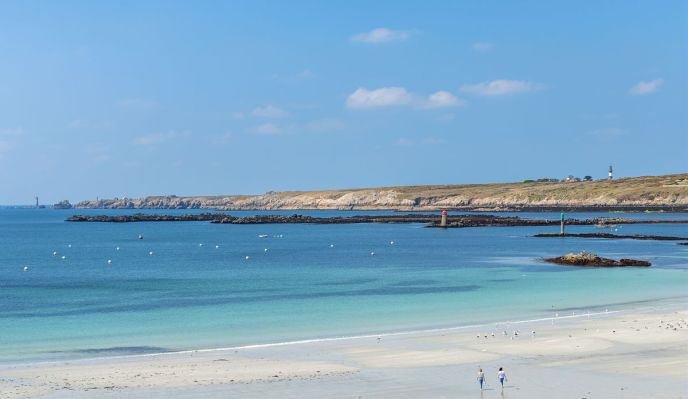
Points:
(313, 281)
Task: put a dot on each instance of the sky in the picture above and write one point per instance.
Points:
(134, 98)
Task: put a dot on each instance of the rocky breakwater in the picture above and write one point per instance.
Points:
(592, 260)
(143, 217)
(614, 236)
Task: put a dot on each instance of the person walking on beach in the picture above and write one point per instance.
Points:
(501, 375)
(481, 378)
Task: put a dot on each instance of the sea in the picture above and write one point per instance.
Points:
(73, 290)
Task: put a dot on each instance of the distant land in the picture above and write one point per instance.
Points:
(647, 193)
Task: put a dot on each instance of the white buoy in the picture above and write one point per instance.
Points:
(64, 257)
(117, 248)
(331, 245)
(246, 257)
(372, 254)
(265, 250)
(150, 253)
(200, 245)
(217, 247)
(69, 245)
(26, 268)
(109, 261)
(54, 253)
(391, 243)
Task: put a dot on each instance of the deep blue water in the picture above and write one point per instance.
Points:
(313, 280)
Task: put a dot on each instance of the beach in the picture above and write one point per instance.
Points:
(632, 353)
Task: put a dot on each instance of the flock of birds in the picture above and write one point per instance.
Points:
(151, 253)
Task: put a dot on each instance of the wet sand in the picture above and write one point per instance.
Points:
(639, 353)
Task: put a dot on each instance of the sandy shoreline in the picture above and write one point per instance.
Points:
(627, 354)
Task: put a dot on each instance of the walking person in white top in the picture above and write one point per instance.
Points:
(481, 378)
(501, 375)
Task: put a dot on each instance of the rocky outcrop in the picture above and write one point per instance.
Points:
(614, 236)
(668, 193)
(63, 205)
(592, 260)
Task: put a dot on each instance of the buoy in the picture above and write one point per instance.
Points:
(109, 261)
(26, 268)
(54, 253)
(331, 245)
(217, 246)
(64, 257)
(372, 253)
(117, 248)
(150, 253)
(69, 245)
(246, 257)
(265, 250)
(200, 245)
(391, 243)
(140, 236)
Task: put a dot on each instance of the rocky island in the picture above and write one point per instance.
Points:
(592, 260)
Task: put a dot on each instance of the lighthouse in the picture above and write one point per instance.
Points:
(610, 172)
(443, 223)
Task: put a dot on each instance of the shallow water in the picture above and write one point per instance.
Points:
(190, 296)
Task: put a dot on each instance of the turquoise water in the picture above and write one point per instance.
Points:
(187, 296)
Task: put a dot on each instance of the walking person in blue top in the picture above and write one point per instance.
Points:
(501, 375)
(481, 378)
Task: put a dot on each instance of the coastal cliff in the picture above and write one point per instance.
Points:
(669, 192)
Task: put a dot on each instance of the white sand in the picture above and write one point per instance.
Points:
(630, 354)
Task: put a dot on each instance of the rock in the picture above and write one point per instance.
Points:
(613, 236)
(592, 260)
(63, 205)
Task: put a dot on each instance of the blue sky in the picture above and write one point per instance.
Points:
(140, 98)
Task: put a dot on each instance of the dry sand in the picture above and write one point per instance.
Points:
(629, 354)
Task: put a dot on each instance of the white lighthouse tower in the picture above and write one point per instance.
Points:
(610, 172)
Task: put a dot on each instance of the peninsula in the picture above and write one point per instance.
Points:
(650, 193)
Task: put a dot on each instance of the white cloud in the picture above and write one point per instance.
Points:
(268, 129)
(269, 111)
(404, 142)
(305, 74)
(85, 124)
(502, 87)
(483, 47)
(237, 115)
(383, 97)
(443, 99)
(608, 132)
(646, 87)
(326, 124)
(221, 138)
(398, 96)
(138, 103)
(380, 35)
(98, 152)
(433, 141)
(5, 147)
(12, 131)
(159, 138)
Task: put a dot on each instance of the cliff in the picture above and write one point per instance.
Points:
(669, 192)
